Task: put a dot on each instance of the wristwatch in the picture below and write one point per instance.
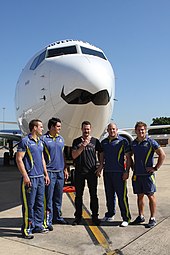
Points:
(155, 168)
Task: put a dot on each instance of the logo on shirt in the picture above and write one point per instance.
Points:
(116, 142)
(146, 144)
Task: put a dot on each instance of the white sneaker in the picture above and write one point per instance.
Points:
(124, 224)
(108, 219)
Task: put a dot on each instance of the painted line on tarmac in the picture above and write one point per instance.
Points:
(97, 234)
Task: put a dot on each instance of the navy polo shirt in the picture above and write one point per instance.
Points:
(143, 155)
(33, 156)
(114, 152)
(53, 152)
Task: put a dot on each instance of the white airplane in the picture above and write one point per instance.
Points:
(68, 79)
(71, 80)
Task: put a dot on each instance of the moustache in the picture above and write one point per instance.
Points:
(81, 96)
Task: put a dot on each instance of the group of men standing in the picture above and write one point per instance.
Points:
(40, 159)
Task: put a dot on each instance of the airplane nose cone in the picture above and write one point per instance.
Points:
(92, 80)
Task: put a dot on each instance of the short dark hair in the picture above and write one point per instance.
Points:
(33, 123)
(85, 122)
(140, 123)
(52, 122)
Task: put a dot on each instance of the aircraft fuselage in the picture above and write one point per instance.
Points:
(71, 80)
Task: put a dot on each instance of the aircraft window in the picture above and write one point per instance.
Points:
(92, 52)
(61, 51)
(38, 60)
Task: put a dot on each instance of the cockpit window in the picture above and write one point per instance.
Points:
(88, 51)
(37, 60)
(61, 51)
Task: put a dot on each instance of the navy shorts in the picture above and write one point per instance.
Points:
(144, 184)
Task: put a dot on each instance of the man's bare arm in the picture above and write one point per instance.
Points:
(21, 167)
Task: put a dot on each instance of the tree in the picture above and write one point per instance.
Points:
(160, 121)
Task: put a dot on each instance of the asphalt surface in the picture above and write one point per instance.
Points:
(86, 239)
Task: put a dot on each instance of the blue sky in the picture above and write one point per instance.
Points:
(135, 36)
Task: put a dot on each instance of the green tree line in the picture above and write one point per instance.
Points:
(160, 121)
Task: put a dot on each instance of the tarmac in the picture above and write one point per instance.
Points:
(86, 239)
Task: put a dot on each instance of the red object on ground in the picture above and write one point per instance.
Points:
(69, 189)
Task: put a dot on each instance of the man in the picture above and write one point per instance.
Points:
(31, 164)
(84, 150)
(143, 179)
(116, 154)
(56, 167)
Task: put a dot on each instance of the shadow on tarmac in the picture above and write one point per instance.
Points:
(8, 227)
(9, 186)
